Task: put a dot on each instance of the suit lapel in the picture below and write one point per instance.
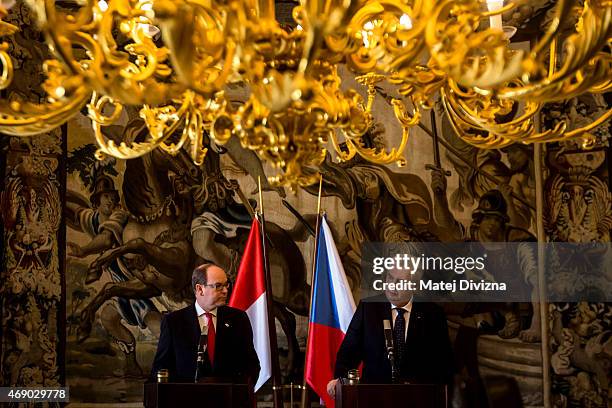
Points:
(383, 313)
(386, 312)
(415, 325)
(194, 325)
(221, 320)
(219, 330)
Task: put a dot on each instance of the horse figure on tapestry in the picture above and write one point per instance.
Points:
(147, 250)
(176, 216)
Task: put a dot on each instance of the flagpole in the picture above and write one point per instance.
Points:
(305, 390)
(276, 386)
(261, 204)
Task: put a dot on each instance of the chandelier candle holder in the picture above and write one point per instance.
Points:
(174, 60)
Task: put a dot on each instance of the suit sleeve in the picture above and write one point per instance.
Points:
(350, 353)
(252, 361)
(164, 357)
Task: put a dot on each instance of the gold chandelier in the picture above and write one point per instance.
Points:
(175, 59)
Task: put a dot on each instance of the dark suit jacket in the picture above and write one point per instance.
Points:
(235, 356)
(429, 356)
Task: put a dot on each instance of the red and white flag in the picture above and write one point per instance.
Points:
(249, 294)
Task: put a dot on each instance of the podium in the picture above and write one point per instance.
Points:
(390, 395)
(213, 395)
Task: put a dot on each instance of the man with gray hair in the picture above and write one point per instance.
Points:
(221, 335)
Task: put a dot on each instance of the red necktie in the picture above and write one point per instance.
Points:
(211, 336)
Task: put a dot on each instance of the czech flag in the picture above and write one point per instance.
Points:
(249, 295)
(332, 309)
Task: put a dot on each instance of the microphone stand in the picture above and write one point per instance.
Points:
(389, 346)
(391, 357)
(200, 355)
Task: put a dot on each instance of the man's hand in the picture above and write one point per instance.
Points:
(75, 250)
(438, 181)
(331, 387)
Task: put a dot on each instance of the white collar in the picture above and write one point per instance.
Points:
(407, 307)
(200, 311)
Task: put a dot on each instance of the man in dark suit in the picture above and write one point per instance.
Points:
(229, 351)
(421, 344)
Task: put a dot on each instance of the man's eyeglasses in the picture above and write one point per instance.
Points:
(219, 286)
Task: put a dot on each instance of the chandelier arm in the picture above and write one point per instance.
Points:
(461, 112)
(96, 106)
(597, 122)
(19, 118)
(6, 29)
(24, 118)
(605, 86)
(346, 153)
(163, 121)
(468, 106)
(266, 9)
(203, 61)
(582, 50)
(577, 84)
(490, 141)
(498, 135)
(173, 148)
(456, 44)
(192, 132)
(557, 133)
(501, 64)
(406, 120)
(553, 57)
(504, 9)
(563, 10)
(121, 150)
(196, 139)
(312, 43)
(382, 157)
(7, 67)
(47, 17)
(108, 70)
(159, 128)
(393, 38)
(420, 85)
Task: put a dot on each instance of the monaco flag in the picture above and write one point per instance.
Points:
(249, 294)
(332, 309)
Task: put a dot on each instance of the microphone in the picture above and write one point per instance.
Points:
(388, 336)
(389, 346)
(202, 346)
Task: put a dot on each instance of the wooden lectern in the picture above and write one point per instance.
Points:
(217, 395)
(390, 396)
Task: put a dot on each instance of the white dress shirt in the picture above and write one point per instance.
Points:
(202, 318)
(408, 309)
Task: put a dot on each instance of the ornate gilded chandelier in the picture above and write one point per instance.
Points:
(175, 59)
